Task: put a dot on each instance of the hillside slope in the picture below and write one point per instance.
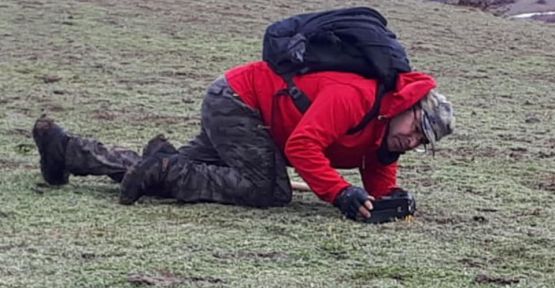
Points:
(125, 71)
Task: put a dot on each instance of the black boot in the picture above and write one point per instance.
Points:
(146, 178)
(159, 145)
(51, 141)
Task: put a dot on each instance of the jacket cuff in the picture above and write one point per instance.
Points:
(334, 192)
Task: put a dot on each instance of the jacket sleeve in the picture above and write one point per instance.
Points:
(378, 179)
(334, 110)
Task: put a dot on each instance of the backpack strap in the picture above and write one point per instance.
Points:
(380, 93)
(302, 102)
(299, 98)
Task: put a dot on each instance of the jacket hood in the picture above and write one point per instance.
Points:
(411, 88)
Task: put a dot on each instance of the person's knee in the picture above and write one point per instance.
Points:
(276, 198)
(283, 201)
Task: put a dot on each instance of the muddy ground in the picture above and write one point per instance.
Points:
(124, 71)
(510, 8)
(527, 6)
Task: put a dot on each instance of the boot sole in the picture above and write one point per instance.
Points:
(53, 172)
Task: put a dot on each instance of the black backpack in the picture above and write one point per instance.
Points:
(349, 40)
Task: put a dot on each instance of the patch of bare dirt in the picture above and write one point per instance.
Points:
(7, 164)
(487, 5)
(545, 182)
(420, 168)
(471, 262)
(510, 7)
(142, 81)
(516, 153)
(31, 4)
(90, 255)
(536, 212)
(544, 155)
(524, 6)
(50, 78)
(103, 114)
(512, 138)
(472, 152)
(548, 184)
(47, 104)
(438, 218)
(273, 255)
(487, 279)
(442, 218)
(21, 132)
(168, 279)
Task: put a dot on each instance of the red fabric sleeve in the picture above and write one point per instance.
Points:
(379, 180)
(335, 109)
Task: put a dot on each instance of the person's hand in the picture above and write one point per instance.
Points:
(354, 201)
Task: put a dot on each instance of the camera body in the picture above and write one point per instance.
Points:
(398, 205)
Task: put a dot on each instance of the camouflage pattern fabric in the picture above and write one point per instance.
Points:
(233, 160)
(86, 156)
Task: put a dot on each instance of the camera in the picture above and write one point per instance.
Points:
(398, 205)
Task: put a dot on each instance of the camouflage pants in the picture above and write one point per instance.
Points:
(233, 160)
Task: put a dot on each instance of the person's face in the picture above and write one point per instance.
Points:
(405, 132)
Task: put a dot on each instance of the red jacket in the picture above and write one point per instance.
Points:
(316, 142)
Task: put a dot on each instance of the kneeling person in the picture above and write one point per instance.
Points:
(249, 135)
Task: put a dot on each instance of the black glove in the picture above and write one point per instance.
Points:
(350, 200)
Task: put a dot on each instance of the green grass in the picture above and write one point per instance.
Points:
(130, 70)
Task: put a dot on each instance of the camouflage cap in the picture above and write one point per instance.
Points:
(437, 117)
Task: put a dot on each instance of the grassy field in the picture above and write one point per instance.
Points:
(126, 70)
